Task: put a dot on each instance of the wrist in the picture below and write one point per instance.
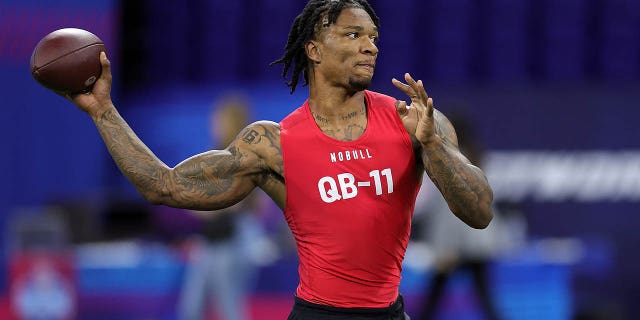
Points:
(434, 142)
(100, 110)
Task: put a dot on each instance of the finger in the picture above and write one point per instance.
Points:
(402, 86)
(430, 107)
(420, 89)
(73, 96)
(401, 107)
(417, 86)
(106, 66)
(415, 97)
(425, 97)
(410, 81)
(409, 78)
(408, 90)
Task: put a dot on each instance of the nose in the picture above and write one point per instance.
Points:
(369, 46)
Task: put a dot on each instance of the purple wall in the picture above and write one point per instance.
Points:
(534, 76)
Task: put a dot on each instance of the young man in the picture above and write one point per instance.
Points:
(345, 167)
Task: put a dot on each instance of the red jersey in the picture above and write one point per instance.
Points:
(349, 205)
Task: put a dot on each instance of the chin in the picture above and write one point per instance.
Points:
(360, 84)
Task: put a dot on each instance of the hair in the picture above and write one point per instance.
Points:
(306, 26)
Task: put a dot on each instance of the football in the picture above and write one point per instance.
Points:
(67, 60)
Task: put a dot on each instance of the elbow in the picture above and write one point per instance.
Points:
(478, 218)
(485, 213)
(157, 188)
(483, 220)
(155, 198)
(152, 198)
(484, 216)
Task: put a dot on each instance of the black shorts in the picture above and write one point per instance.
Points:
(304, 310)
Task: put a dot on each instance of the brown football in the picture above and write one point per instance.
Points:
(67, 60)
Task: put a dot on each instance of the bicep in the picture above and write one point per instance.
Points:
(213, 180)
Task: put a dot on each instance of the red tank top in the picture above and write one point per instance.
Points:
(349, 205)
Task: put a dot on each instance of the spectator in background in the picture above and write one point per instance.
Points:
(456, 247)
(219, 270)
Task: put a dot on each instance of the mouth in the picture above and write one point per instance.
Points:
(369, 66)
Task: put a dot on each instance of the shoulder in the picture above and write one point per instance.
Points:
(262, 138)
(379, 98)
(259, 133)
(265, 125)
(294, 118)
(382, 103)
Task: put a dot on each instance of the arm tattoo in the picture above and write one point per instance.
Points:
(250, 136)
(132, 157)
(463, 185)
(210, 176)
(445, 130)
(210, 180)
(273, 149)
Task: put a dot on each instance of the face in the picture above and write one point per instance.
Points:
(347, 51)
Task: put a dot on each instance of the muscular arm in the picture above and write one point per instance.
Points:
(463, 185)
(210, 180)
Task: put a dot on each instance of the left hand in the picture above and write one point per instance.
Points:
(418, 116)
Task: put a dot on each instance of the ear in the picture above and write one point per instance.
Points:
(312, 49)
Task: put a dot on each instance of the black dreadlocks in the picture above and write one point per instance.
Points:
(305, 28)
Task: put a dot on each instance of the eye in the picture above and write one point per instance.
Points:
(353, 35)
(375, 39)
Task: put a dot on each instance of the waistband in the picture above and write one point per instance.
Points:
(397, 306)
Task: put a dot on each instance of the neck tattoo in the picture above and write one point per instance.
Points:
(348, 116)
(320, 118)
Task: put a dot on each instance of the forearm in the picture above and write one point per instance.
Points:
(211, 180)
(137, 162)
(463, 185)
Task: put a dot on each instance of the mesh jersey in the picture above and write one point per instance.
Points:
(349, 205)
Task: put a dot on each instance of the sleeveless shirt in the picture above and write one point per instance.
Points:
(349, 205)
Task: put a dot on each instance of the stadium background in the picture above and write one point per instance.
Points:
(552, 87)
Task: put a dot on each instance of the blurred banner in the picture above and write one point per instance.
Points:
(560, 176)
(551, 87)
(49, 147)
(43, 286)
(24, 23)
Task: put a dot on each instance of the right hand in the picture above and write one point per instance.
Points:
(99, 98)
(418, 117)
